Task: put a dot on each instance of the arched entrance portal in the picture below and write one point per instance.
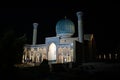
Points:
(52, 53)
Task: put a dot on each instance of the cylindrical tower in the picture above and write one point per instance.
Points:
(35, 25)
(80, 28)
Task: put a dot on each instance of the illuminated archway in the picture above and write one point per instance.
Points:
(52, 52)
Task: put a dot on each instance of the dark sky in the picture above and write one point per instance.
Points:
(99, 17)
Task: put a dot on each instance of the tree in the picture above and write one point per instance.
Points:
(11, 48)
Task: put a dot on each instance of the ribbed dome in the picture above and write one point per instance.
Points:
(65, 28)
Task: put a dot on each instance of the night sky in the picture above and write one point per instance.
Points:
(99, 17)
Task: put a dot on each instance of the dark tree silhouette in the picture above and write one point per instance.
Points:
(11, 48)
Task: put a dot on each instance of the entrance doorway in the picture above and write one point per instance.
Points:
(52, 52)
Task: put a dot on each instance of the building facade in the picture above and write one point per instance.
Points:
(62, 48)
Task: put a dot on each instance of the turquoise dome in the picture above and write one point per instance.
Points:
(65, 28)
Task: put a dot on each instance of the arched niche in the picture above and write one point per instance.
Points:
(52, 52)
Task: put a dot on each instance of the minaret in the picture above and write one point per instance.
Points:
(80, 37)
(35, 25)
(80, 28)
